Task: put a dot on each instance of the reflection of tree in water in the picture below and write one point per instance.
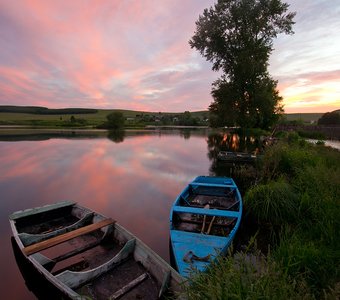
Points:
(116, 136)
(229, 141)
(186, 134)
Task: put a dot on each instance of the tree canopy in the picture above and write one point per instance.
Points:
(115, 120)
(237, 37)
(330, 118)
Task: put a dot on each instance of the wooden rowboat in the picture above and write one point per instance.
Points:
(203, 222)
(85, 255)
(241, 157)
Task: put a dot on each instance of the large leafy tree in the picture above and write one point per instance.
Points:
(237, 37)
(330, 118)
(115, 120)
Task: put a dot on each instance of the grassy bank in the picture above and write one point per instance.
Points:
(293, 212)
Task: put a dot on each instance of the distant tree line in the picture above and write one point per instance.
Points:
(117, 120)
(46, 111)
(181, 119)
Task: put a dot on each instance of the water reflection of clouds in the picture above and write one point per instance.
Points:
(134, 181)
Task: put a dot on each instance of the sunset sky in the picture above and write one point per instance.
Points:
(134, 54)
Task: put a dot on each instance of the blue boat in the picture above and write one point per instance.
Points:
(203, 222)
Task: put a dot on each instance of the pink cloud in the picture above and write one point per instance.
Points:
(110, 54)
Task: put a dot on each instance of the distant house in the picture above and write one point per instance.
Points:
(130, 119)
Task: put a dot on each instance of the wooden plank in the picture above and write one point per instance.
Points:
(80, 262)
(207, 212)
(66, 236)
(128, 287)
(76, 251)
(38, 210)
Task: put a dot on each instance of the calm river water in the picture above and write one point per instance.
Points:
(132, 177)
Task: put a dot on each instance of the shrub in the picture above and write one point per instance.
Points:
(293, 137)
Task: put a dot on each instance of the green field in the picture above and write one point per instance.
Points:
(305, 117)
(29, 119)
(28, 116)
(39, 116)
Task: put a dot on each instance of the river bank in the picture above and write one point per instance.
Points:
(329, 143)
(313, 131)
(289, 235)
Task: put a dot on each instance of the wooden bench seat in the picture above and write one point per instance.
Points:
(66, 236)
(207, 212)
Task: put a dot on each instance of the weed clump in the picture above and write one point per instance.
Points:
(274, 202)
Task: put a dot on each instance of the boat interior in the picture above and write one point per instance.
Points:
(97, 263)
(207, 198)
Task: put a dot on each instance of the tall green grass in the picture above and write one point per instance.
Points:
(309, 260)
(310, 249)
(287, 158)
(245, 276)
(274, 202)
(297, 193)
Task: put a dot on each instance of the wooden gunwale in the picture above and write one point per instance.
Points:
(29, 239)
(211, 184)
(34, 211)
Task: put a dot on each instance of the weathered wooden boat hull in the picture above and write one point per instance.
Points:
(203, 222)
(82, 253)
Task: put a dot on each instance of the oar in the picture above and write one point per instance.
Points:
(204, 218)
(211, 223)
